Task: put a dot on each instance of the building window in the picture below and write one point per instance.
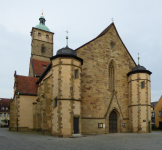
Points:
(4, 114)
(153, 120)
(2, 108)
(44, 66)
(142, 84)
(47, 36)
(100, 125)
(111, 77)
(43, 49)
(55, 102)
(112, 44)
(76, 74)
(6, 108)
(8, 115)
(0, 114)
(152, 114)
(159, 114)
(39, 34)
(160, 123)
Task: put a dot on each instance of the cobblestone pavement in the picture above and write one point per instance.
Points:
(10, 140)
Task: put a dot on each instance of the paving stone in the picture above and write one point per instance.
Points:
(120, 141)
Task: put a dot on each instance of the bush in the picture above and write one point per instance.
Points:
(154, 127)
(5, 120)
(160, 128)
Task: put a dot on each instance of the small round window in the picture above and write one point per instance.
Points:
(112, 44)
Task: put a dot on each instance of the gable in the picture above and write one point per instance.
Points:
(97, 55)
(104, 32)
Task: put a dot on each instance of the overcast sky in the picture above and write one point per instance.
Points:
(139, 24)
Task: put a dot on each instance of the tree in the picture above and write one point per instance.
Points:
(5, 120)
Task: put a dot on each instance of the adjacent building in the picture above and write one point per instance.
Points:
(97, 88)
(158, 113)
(4, 110)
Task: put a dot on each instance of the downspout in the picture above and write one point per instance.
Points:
(17, 109)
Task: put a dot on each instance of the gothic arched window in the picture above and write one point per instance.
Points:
(111, 77)
(43, 49)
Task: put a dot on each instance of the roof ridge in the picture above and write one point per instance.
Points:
(40, 60)
(25, 76)
(102, 33)
(106, 30)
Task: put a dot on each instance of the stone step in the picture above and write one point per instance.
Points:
(77, 135)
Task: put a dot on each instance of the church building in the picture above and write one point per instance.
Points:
(95, 89)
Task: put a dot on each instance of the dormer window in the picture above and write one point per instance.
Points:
(39, 34)
(44, 66)
(47, 36)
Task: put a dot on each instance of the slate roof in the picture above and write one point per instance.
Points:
(38, 66)
(26, 85)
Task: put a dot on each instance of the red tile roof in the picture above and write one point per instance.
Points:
(5, 101)
(26, 85)
(38, 66)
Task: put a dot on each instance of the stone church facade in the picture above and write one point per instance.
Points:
(95, 89)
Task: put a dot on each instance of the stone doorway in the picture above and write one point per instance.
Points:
(76, 125)
(113, 122)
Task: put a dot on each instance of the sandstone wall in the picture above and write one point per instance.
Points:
(97, 56)
(38, 41)
(25, 113)
(140, 103)
(67, 90)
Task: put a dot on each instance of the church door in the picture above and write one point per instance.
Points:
(113, 122)
(76, 125)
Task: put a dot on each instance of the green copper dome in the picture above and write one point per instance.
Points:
(42, 25)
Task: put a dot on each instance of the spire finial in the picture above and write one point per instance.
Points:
(42, 12)
(138, 58)
(67, 38)
(112, 19)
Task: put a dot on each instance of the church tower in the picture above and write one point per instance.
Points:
(139, 100)
(41, 41)
(41, 48)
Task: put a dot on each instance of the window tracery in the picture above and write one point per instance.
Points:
(111, 76)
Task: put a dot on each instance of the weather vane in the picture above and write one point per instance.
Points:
(67, 32)
(42, 12)
(112, 19)
(67, 38)
(138, 58)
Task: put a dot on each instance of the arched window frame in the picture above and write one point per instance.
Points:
(111, 76)
(43, 48)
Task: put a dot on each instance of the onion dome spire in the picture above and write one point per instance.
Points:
(41, 24)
